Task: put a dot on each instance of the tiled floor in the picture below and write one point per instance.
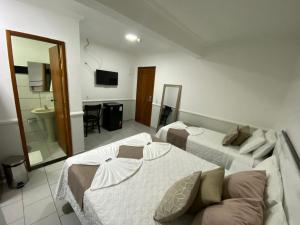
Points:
(43, 151)
(34, 204)
(94, 139)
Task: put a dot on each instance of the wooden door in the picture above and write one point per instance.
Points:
(58, 95)
(144, 94)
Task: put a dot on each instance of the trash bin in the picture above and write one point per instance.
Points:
(15, 171)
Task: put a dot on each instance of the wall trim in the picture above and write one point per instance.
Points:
(215, 118)
(75, 114)
(8, 121)
(108, 100)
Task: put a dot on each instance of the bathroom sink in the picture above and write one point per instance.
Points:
(43, 112)
(46, 114)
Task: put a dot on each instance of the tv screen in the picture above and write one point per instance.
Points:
(106, 77)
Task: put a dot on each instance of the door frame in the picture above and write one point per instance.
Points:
(145, 67)
(61, 45)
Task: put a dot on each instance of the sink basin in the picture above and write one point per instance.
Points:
(43, 112)
(47, 116)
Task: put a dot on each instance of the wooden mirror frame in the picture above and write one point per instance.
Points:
(61, 45)
(177, 102)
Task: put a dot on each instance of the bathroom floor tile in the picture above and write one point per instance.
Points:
(39, 210)
(18, 222)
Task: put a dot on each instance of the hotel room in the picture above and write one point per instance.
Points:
(149, 112)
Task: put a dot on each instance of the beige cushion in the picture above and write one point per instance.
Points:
(231, 136)
(178, 198)
(210, 189)
(236, 211)
(246, 184)
(244, 134)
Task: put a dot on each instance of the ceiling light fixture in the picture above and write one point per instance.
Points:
(132, 38)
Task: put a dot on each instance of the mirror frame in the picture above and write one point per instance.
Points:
(177, 102)
(62, 47)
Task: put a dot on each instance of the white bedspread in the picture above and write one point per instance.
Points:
(208, 145)
(133, 201)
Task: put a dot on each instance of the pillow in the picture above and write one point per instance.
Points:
(246, 184)
(231, 136)
(267, 147)
(210, 189)
(178, 198)
(274, 189)
(244, 134)
(276, 215)
(257, 140)
(236, 211)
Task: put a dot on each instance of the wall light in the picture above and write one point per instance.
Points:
(132, 38)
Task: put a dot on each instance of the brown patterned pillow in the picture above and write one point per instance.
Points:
(231, 136)
(245, 184)
(178, 198)
(236, 211)
(210, 189)
(244, 134)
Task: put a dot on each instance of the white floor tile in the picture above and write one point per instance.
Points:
(33, 194)
(39, 210)
(61, 205)
(53, 176)
(36, 177)
(18, 222)
(12, 213)
(10, 196)
(70, 219)
(55, 166)
(49, 220)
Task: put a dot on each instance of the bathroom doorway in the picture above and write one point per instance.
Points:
(39, 79)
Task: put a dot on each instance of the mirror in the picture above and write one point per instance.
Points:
(39, 76)
(169, 105)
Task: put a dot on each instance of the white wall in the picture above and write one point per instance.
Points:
(100, 57)
(290, 114)
(26, 18)
(244, 83)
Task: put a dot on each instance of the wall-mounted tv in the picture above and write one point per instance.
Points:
(106, 77)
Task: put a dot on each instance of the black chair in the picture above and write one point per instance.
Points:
(91, 117)
(165, 114)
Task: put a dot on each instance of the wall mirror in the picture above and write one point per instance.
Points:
(169, 105)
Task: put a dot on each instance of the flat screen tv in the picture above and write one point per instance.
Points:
(106, 77)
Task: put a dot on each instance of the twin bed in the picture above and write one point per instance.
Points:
(207, 144)
(134, 200)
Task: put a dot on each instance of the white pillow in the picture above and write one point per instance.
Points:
(267, 147)
(274, 189)
(256, 140)
(275, 215)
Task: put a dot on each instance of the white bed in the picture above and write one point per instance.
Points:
(208, 145)
(133, 202)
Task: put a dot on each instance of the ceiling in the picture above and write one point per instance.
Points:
(194, 25)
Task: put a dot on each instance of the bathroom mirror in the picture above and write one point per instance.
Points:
(39, 76)
(169, 105)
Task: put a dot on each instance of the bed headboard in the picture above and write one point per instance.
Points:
(290, 170)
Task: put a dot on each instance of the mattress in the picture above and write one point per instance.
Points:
(134, 201)
(208, 145)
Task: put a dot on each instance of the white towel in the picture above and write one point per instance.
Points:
(114, 172)
(156, 150)
(96, 157)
